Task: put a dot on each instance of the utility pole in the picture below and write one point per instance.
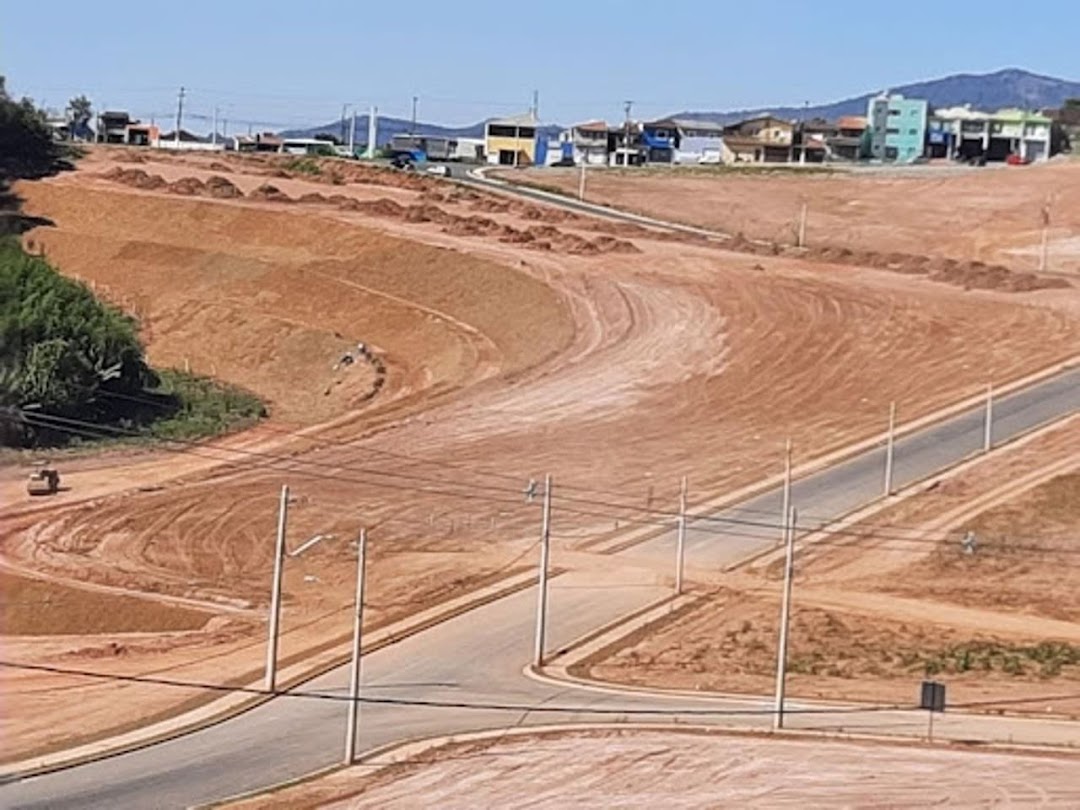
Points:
(412, 126)
(542, 580)
(213, 133)
(344, 112)
(179, 115)
(786, 504)
(988, 439)
(354, 670)
(680, 541)
(889, 446)
(785, 618)
(352, 135)
(627, 105)
(275, 592)
(372, 131)
(536, 105)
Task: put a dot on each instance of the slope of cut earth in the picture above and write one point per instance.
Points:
(687, 769)
(504, 363)
(992, 215)
(895, 598)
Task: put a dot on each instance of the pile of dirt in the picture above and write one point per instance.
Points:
(425, 212)
(220, 188)
(490, 205)
(471, 226)
(315, 198)
(609, 244)
(218, 166)
(136, 178)
(382, 207)
(982, 276)
(269, 193)
(188, 187)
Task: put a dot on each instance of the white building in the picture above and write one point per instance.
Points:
(699, 142)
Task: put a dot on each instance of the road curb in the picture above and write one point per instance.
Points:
(30, 767)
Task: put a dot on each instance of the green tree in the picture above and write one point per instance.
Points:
(27, 148)
(81, 110)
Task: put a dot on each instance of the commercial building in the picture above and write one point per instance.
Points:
(512, 141)
(968, 134)
(897, 127)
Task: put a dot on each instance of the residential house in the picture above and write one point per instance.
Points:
(112, 126)
(660, 141)
(1064, 126)
(811, 140)
(762, 139)
(512, 141)
(469, 150)
(625, 145)
(699, 141)
(589, 143)
(849, 142)
(142, 135)
(897, 127)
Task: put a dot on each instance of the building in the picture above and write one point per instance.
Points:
(811, 140)
(142, 135)
(432, 146)
(512, 141)
(699, 142)
(112, 126)
(468, 150)
(762, 139)
(897, 127)
(850, 141)
(967, 134)
(589, 143)
(660, 141)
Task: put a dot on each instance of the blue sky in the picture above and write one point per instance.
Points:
(286, 63)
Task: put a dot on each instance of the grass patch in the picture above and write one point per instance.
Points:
(304, 165)
(203, 407)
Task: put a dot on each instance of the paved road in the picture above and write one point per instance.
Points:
(479, 657)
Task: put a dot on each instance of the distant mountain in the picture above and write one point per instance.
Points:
(988, 91)
(389, 127)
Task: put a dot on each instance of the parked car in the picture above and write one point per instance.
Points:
(440, 169)
(1015, 160)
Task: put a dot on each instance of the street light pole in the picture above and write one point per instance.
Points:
(785, 618)
(275, 592)
(354, 670)
(542, 580)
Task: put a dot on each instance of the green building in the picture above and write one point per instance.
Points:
(896, 127)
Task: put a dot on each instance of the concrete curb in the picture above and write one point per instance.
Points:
(232, 705)
(402, 753)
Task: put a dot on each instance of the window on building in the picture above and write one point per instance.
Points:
(500, 131)
(913, 132)
(892, 131)
(894, 112)
(891, 152)
(526, 132)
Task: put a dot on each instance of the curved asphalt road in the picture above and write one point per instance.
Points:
(479, 657)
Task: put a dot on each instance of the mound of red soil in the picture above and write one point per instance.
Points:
(269, 193)
(222, 189)
(315, 198)
(187, 186)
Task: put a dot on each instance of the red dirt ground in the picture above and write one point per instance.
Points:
(504, 362)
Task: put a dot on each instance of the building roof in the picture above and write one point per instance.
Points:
(592, 126)
(851, 122)
(699, 126)
(771, 119)
(523, 120)
(1017, 115)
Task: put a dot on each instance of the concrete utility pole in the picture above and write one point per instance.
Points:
(536, 105)
(680, 542)
(412, 126)
(542, 580)
(372, 131)
(275, 592)
(179, 115)
(344, 113)
(628, 105)
(354, 669)
(352, 135)
(786, 504)
(785, 618)
(890, 442)
(988, 425)
(213, 133)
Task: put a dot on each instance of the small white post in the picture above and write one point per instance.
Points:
(988, 426)
(786, 505)
(542, 580)
(785, 617)
(680, 542)
(802, 225)
(889, 446)
(354, 670)
(581, 179)
(372, 131)
(275, 592)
